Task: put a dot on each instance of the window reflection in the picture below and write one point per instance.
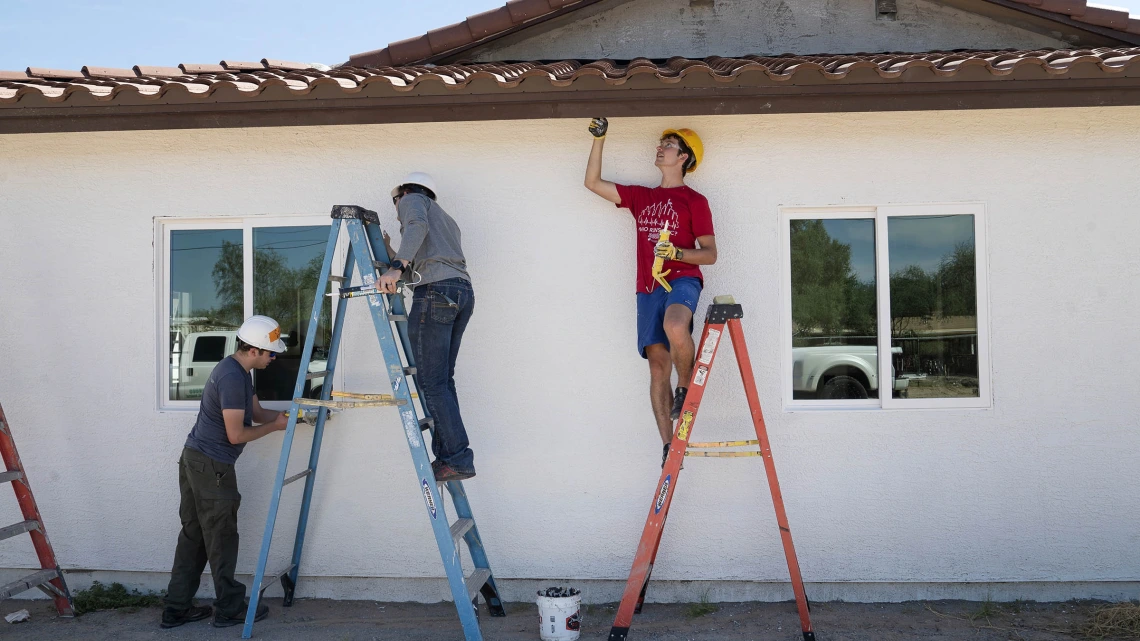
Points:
(286, 265)
(934, 304)
(834, 332)
(205, 305)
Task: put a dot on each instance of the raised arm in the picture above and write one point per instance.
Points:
(594, 182)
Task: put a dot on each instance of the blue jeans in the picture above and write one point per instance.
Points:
(440, 313)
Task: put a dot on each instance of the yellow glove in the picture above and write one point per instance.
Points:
(598, 127)
(668, 251)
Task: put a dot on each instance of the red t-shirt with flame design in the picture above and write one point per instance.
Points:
(683, 209)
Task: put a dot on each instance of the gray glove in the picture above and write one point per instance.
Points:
(598, 127)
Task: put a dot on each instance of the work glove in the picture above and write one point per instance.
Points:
(667, 250)
(598, 127)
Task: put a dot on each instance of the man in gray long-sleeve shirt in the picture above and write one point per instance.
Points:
(431, 260)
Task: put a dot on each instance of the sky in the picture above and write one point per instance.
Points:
(60, 34)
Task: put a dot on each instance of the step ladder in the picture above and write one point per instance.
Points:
(49, 578)
(724, 311)
(366, 251)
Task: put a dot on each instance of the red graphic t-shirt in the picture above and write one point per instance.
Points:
(688, 216)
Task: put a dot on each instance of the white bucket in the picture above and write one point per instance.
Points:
(559, 616)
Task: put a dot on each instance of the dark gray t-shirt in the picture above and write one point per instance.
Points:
(228, 388)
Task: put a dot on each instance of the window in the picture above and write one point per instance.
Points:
(885, 307)
(218, 273)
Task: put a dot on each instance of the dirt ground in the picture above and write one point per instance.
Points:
(369, 620)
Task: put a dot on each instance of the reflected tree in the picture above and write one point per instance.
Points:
(827, 296)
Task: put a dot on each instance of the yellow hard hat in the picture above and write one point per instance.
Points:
(693, 141)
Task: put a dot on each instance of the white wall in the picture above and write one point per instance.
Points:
(696, 29)
(1037, 490)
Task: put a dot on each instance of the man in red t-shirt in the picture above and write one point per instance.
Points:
(664, 318)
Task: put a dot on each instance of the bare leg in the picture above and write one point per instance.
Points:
(678, 327)
(660, 392)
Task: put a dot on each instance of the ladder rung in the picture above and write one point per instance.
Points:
(397, 318)
(18, 528)
(460, 527)
(51, 590)
(379, 264)
(311, 375)
(347, 405)
(724, 444)
(409, 371)
(427, 423)
(270, 580)
(362, 396)
(10, 475)
(27, 583)
(476, 581)
(723, 454)
(298, 476)
(338, 279)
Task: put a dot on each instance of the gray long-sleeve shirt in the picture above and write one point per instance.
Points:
(430, 240)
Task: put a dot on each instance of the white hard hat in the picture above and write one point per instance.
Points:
(415, 178)
(262, 332)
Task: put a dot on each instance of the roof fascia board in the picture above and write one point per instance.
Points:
(676, 101)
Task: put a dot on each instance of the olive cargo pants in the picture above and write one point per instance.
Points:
(209, 508)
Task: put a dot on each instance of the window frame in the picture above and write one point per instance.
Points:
(880, 215)
(162, 231)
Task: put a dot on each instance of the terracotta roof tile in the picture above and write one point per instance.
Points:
(283, 64)
(449, 37)
(59, 86)
(108, 72)
(236, 65)
(409, 50)
(490, 22)
(516, 13)
(1104, 18)
(195, 69)
(158, 72)
(523, 10)
(55, 74)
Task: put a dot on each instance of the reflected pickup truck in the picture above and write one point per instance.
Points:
(839, 372)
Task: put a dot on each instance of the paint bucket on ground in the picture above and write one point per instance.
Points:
(559, 612)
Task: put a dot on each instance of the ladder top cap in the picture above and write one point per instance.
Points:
(724, 299)
(355, 211)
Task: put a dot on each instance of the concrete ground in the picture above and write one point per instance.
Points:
(369, 620)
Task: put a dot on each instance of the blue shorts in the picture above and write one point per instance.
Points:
(651, 310)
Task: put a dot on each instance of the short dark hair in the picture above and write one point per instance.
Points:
(413, 188)
(244, 346)
(683, 147)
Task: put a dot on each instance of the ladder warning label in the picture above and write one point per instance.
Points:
(709, 347)
(428, 498)
(664, 492)
(686, 423)
(702, 374)
(409, 421)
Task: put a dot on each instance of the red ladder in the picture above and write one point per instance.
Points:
(723, 311)
(49, 578)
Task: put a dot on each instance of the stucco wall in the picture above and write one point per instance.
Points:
(1040, 488)
(664, 28)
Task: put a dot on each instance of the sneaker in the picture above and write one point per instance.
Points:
(222, 621)
(678, 402)
(445, 473)
(174, 618)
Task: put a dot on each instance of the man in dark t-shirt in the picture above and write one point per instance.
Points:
(208, 485)
(664, 309)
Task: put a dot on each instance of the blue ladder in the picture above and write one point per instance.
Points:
(366, 251)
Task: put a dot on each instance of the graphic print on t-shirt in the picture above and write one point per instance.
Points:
(654, 217)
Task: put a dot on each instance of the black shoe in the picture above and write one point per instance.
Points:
(665, 453)
(445, 473)
(175, 618)
(678, 402)
(222, 621)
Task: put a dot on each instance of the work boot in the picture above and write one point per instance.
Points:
(222, 621)
(445, 473)
(174, 618)
(678, 402)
